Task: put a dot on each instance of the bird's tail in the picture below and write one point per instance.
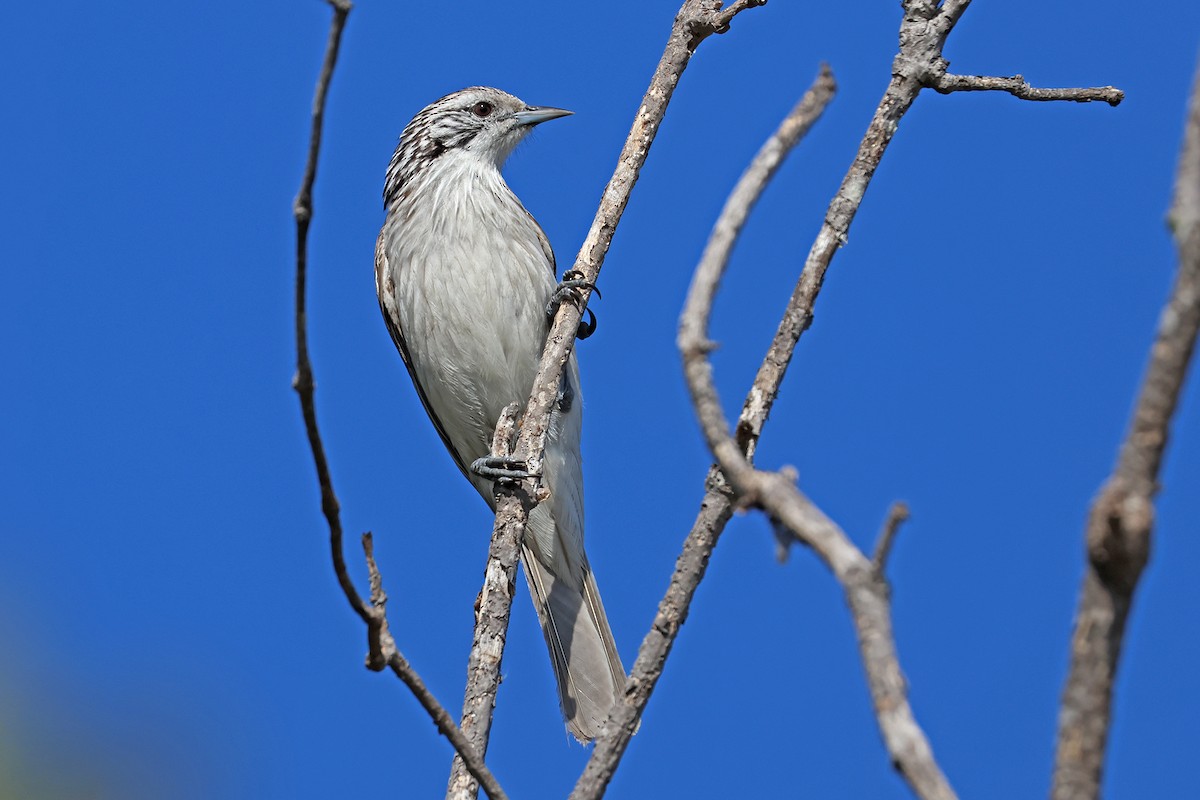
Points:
(586, 665)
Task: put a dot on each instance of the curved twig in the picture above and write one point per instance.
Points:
(382, 649)
(303, 382)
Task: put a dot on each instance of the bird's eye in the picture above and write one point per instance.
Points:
(481, 109)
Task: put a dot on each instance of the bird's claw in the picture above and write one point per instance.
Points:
(586, 329)
(568, 289)
(500, 468)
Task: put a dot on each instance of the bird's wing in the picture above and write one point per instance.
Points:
(544, 241)
(387, 306)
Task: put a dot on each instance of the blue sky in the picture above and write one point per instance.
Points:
(170, 621)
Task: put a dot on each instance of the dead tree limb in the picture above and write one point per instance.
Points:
(1120, 525)
(918, 65)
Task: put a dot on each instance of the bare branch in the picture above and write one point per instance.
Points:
(303, 381)
(1017, 87)
(742, 199)
(380, 644)
(897, 516)
(384, 653)
(867, 595)
(716, 509)
(445, 725)
(493, 608)
(919, 64)
(865, 588)
(923, 33)
(949, 15)
(382, 649)
(1121, 521)
(797, 317)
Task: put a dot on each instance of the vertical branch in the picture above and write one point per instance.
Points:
(302, 210)
(493, 609)
(1121, 521)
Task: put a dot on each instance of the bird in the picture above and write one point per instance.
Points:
(466, 281)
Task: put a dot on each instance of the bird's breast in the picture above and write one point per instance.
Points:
(469, 280)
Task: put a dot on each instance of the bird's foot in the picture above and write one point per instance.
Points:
(568, 289)
(500, 468)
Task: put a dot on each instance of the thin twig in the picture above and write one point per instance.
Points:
(303, 382)
(379, 637)
(696, 20)
(381, 646)
(445, 725)
(1121, 521)
(721, 20)
(897, 516)
(1017, 87)
(745, 194)
(384, 653)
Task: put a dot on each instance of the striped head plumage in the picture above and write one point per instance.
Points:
(483, 121)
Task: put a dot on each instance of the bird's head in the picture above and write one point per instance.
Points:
(480, 122)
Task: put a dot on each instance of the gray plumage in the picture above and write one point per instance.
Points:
(463, 274)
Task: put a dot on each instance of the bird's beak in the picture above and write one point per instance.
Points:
(535, 115)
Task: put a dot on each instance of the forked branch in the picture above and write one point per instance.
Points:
(919, 64)
(864, 585)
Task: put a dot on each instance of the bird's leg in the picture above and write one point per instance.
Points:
(567, 289)
(500, 468)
